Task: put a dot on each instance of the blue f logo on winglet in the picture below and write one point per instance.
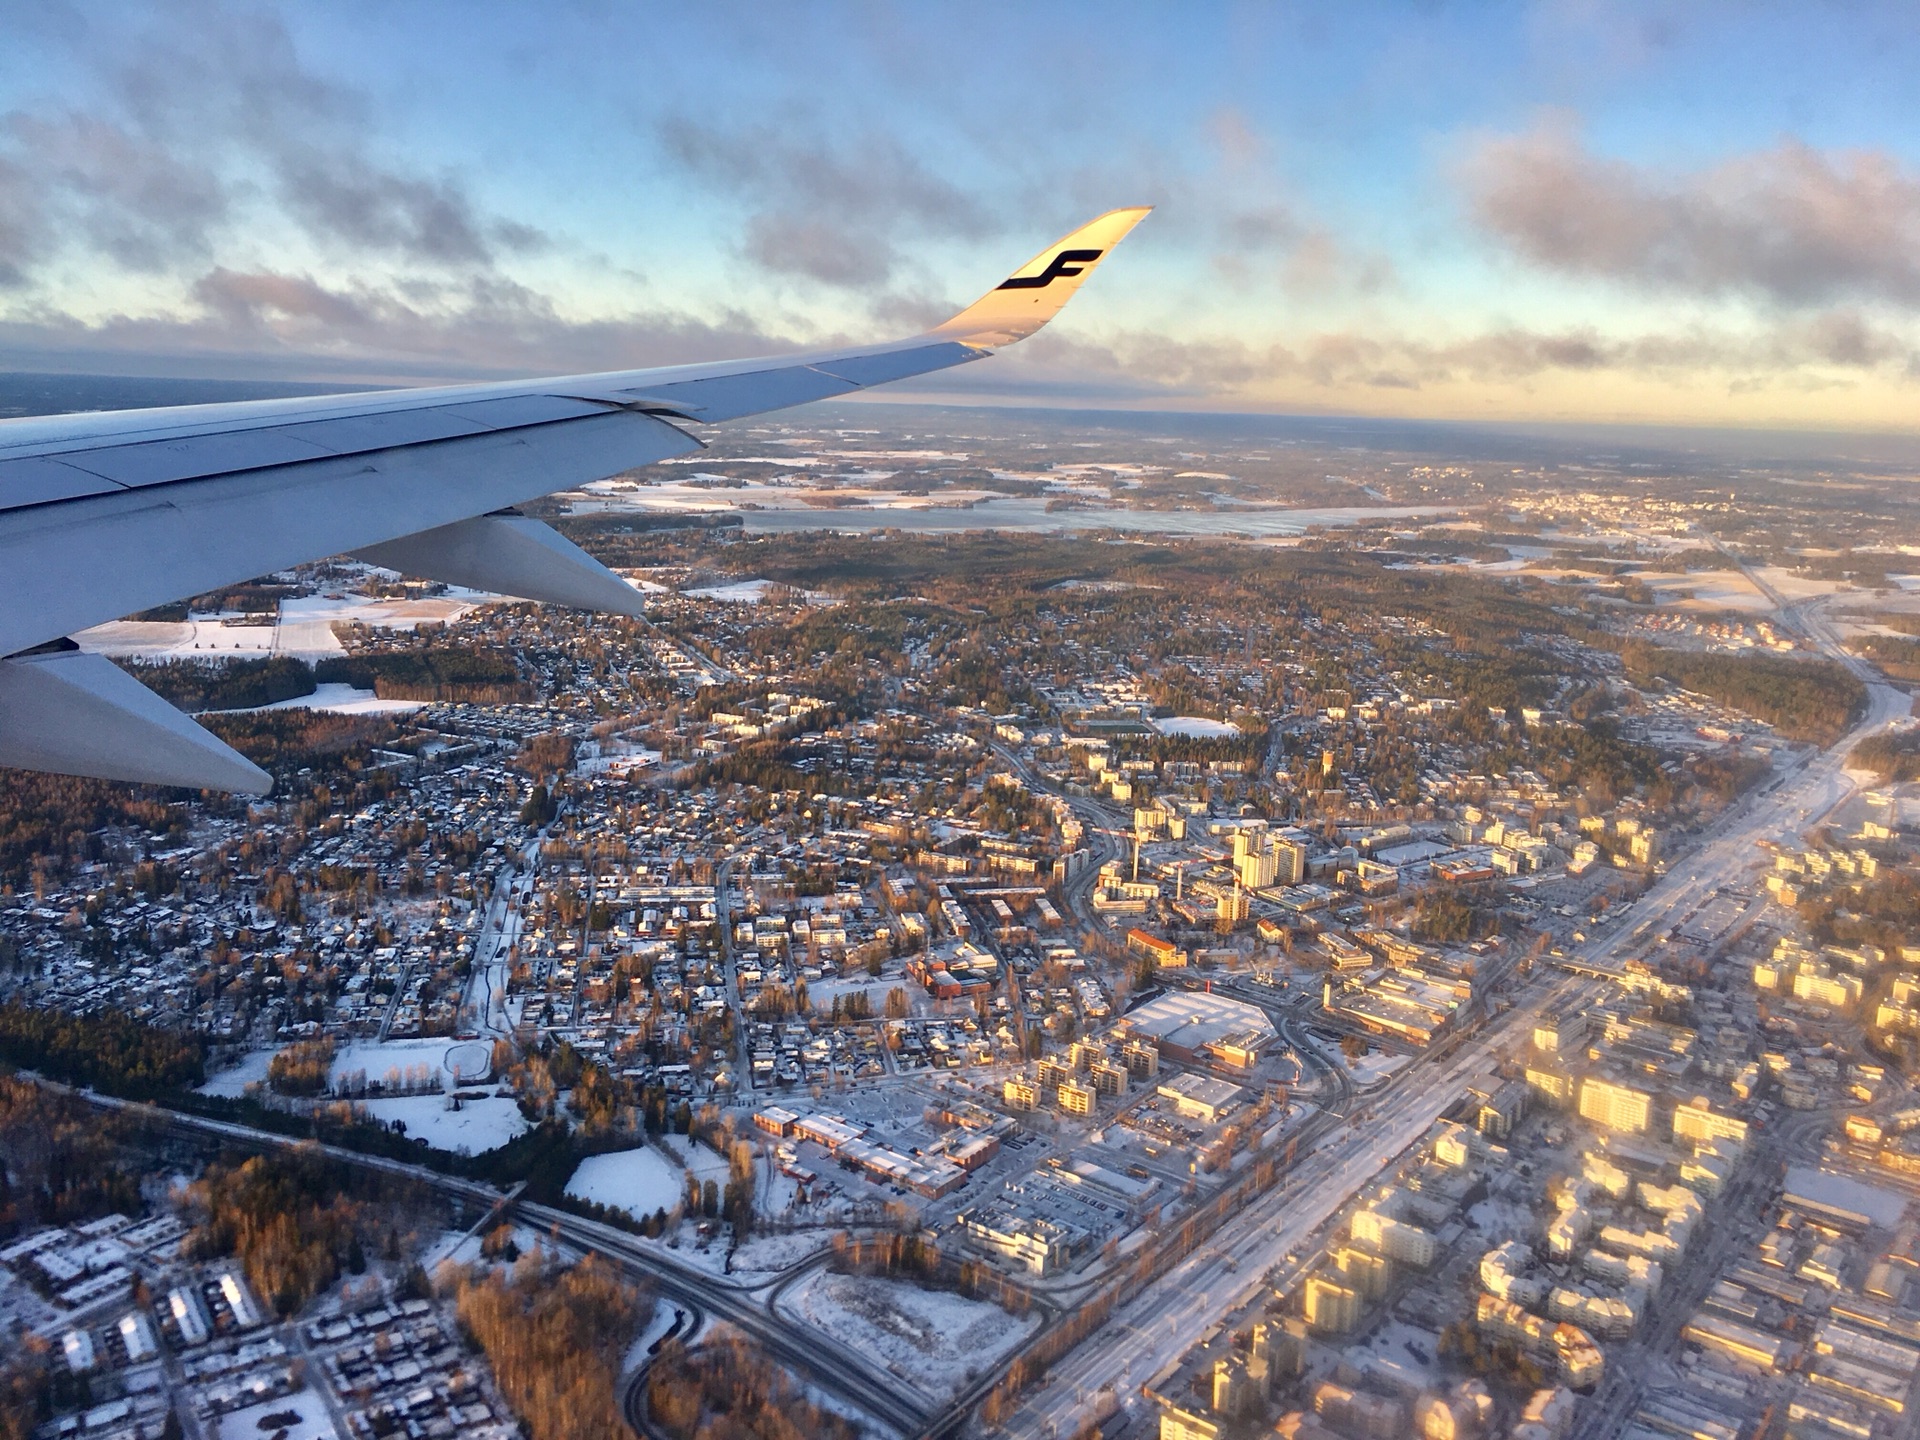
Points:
(1067, 262)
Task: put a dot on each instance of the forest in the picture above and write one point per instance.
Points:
(477, 675)
(1892, 755)
(297, 1220)
(729, 1390)
(51, 823)
(428, 673)
(1813, 700)
(109, 1052)
(556, 1342)
(64, 1161)
(232, 685)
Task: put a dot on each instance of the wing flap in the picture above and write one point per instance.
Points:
(68, 566)
(899, 364)
(728, 397)
(510, 412)
(41, 482)
(157, 462)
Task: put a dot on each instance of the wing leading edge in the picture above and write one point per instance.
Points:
(102, 515)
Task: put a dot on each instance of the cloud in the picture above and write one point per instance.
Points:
(1791, 224)
(1830, 347)
(206, 114)
(829, 210)
(471, 326)
(128, 195)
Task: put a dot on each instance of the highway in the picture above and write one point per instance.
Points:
(1169, 1317)
(807, 1351)
(1337, 1159)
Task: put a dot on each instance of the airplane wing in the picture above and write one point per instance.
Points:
(106, 514)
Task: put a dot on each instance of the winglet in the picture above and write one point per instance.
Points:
(78, 714)
(1034, 293)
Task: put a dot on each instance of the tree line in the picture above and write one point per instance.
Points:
(556, 1342)
(1808, 699)
(110, 1052)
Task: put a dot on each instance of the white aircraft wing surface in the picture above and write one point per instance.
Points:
(105, 514)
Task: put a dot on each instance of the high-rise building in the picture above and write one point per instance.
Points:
(1617, 1107)
(1331, 1307)
(1076, 1098)
(1696, 1121)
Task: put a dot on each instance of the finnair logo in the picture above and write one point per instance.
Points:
(1067, 262)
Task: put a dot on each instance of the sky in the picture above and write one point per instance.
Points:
(1695, 213)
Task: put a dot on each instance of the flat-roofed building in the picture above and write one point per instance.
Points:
(1617, 1107)
(1201, 1097)
(1552, 1084)
(1331, 1307)
(1036, 1245)
(1193, 1025)
(1076, 1098)
(1740, 1342)
(1697, 1121)
(1178, 1424)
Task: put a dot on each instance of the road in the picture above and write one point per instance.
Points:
(809, 1353)
(1337, 1159)
(1169, 1317)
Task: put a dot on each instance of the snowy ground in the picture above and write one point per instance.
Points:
(1499, 1220)
(345, 700)
(477, 1126)
(233, 1082)
(1374, 1066)
(304, 628)
(464, 1249)
(762, 1255)
(380, 1059)
(665, 1312)
(251, 1423)
(1197, 726)
(931, 1340)
(739, 592)
(704, 1163)
(1394, 1352)
(637, 1181)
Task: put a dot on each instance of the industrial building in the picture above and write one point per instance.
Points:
(1193, 1027)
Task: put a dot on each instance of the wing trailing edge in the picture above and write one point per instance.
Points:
(102, 515)
(70, 713)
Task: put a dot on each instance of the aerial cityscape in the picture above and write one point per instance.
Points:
(1327, 848)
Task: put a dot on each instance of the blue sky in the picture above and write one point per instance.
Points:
(1705, 213)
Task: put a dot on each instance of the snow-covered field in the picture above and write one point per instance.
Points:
(345, 700)
(1375, 1066)
(739, 592)
(762, 1255)
(381, 1059)
(704, 1163)
(931, 1339)
(252, 1424)
(637, 1181)
(304, 628)
(477, 1126)
(233, 1082)
(1198, 727)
